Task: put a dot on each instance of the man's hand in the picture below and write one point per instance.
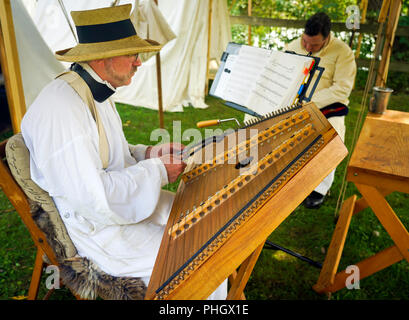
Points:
(174, 166)
(163, 149)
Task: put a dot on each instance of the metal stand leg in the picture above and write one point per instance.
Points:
(270, 245)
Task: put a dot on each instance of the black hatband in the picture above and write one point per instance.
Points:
(105, 31)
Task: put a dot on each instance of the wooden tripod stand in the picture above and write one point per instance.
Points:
(377, 167)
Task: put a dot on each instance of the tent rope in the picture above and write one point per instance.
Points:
(358, 124)
(68, 19)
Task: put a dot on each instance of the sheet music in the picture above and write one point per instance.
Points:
(244, 72)
(223, 84)
(262, 80)
(279, 83)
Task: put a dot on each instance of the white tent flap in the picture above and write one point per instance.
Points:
(37, 63)
(183, 59)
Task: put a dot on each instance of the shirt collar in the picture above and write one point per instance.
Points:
(101, 90)
(95, 75)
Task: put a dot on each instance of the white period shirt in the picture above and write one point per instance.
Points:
(115, 217)
(338, 78)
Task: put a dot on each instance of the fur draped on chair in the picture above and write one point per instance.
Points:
(78, 273)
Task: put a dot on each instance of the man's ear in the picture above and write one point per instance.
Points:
(97, 63)
(99, 67)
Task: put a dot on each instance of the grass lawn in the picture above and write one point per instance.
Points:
(277, 275)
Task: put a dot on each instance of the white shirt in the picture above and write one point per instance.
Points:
(115, 217)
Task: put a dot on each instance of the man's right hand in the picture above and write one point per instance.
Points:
(174, 166)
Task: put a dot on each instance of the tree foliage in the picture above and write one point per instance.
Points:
(283, 9)
(276, 37)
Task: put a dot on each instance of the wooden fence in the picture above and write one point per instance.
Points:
(335, 26)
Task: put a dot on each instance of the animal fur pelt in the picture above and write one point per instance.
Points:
(79, 274)
(86, 280)
(82, 276)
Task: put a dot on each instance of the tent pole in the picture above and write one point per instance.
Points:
(159, 80)
(11, 66)
(249, 12)
(209, 39)
(160, 101)
(393, 18)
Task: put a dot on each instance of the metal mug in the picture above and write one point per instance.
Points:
(379, 101)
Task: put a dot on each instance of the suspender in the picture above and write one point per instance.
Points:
(80, 86)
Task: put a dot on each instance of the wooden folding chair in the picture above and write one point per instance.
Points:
(21, 203)
(54, 246)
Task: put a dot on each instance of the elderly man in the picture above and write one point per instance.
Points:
(107, 192)
(335, 86)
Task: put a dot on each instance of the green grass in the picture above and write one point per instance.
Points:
(308, 232)
(276, 275)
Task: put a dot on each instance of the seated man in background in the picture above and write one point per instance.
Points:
(335, 86)
(108, 193)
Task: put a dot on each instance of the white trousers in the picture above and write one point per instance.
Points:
(339, 125)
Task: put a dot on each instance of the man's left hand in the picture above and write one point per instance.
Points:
(163, 149)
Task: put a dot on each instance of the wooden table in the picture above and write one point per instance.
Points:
(379, 165)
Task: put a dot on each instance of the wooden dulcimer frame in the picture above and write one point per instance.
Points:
(228, 203)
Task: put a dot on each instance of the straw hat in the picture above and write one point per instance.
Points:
(105, 33)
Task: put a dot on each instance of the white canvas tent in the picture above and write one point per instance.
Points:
(37, 63)
(183, 59)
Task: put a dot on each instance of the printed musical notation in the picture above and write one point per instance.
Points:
(262, 80)
(278, 83)
(245, 72)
